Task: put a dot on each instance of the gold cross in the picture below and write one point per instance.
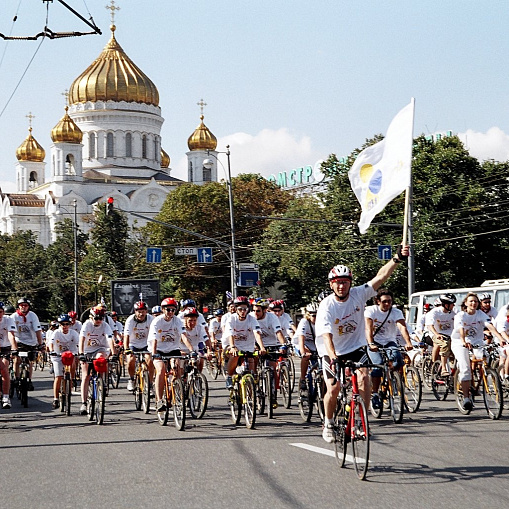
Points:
(112, 8)
(66, 93)
(201, 104)
(30, 117)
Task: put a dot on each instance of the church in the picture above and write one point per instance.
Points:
(107, 144)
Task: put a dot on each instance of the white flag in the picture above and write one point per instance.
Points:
(382, 171)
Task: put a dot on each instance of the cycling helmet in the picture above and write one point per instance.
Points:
(72, 315)
(187, 303)
(169, 302)
(447, 298)
(155, 309)
(437, 302)
(190, 312)
(113, 313)
(24, 300)
(312, 307)
(53, 324)
(9, 308)
(65, 318)
(242, 299)
(277, 304)
(263, 303)
(340, 271)
(323, 295)
(97, 312)
(140, 305)
(427, 307)
(485, 296)
(218, 312)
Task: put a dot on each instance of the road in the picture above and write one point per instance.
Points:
(436, 458)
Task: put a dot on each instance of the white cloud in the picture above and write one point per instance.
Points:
(494, 144)
(268, 152)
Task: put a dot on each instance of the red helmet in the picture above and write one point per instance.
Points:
(97, 312)
(241, 299)
(140, 305)
(72, 315)
(277, 304)
(169, 302)
(190, 312)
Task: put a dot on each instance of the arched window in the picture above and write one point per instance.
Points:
(109, 145)
(32, 181)
(91, 146)
(128, 145)
(144, 147)
(207, 173)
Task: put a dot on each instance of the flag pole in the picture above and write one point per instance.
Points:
(408, 190)
(407, 221)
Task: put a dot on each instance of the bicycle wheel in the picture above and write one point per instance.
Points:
(12, 384)
(320, 393)
(306, 400)
(162, 416)
(115, 374)
(91, 401)
(68, 392)
(213, 367)
(249, 401)
(235, 404)
(179, 404)
(23, 388)
(439, 383)
(198, 395)
(397, 398)
(63, 395)
(138, 396)
(458, 393)
(100, 401)
(492, 394)
(426, 372)
(269, 395)
(291, 371)
(145, 402)
(360, 438)
(262, 393)
(340, 425)
(40, 361)
(284, 384)
(413, 389)
(384, 399)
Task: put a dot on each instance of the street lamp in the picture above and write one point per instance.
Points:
(75, 238)
(207, 163)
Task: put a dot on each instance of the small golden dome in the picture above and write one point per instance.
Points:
(66, 130)
(30, 150)
(165, 159)
(202, 138)
(113, 76)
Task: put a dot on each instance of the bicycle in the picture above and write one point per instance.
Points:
(423, 362)
(64, 396)
(266, 388)
(243, 392)
(213, 365)
(196, 388)
(114, 371)
(391, 390)
(487, 377)
(291, 363)
(141, 382)
(412, 384)
(442, 385)
(315, 391)
(24, 376)
(173, 394)
(351, 423)
(96, 397)
(40, 360)
(283, 382)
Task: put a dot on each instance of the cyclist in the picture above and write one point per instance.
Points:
(196, 335)
(75, 323)
(157, 311)
(96, 340)
(468, 334)
(164, 337)
(231, 311)
(440, 322)
(486, 307)
(136, 331)
(502, 325)
(190, 303)
(383, 320)
(118, 327)
(215, 330)
(28, 335)
(340, 330)
(306, 336)
(64, 339)
(242, 332)
(285, 320)
(7, 346)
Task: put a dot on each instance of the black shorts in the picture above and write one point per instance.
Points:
(358, 355)
(173, 353)
(31, 349)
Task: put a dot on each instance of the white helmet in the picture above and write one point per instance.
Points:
(485, 296)
(312, 307)
(340, 271)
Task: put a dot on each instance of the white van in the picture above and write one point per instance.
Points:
(497, 288)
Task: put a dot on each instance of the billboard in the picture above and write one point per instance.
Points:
(125, 292)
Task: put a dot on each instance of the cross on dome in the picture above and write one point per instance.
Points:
(112, 8)
(66, 94)
(30, 117)
(201, 104)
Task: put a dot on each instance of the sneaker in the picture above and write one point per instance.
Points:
(328, 433)
(30, 385)
(55, 404)
(6, 403)
(83, 409)
(375, 401)
(160, 406)
(130, 385)
(467, 404)
(229, 382)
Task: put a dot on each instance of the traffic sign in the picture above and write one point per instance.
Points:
(249, 266)
(248, 278)
(154, 254)
(204, 255)
(384, 252)
(186, 251)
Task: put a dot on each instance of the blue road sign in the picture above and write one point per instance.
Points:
(154, 254)
(204, 255)
(384, 252)
(248, 278)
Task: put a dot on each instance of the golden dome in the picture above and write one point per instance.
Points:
(30, 150)
(113, 76)
(66, 130)
(165, 159)
(202, 138)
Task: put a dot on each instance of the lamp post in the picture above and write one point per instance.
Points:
(207, 163)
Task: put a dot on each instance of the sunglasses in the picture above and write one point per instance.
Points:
(241, 309)
(170, 309)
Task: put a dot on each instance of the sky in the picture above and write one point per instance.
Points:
(286, 83)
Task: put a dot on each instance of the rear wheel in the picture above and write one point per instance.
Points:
(213, 367)
(439, 383)
(100, 401)
(413, 389)
(284, 384)
(306, 401)
(146, 392)
(426, 372)
(249, 401)
(360, 439)
(198, 395)
(269, 395)
(291, 371)
(340, 442)
(492, 394)
(262, 393)
(179, 404)
(398, 401)
(137, 392)
(382, 393)
(115, 371)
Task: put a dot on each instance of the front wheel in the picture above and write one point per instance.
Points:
(458, 393)
(162, 416)
(100, 401)
(360, 438)
(306, 401)
(23, 388)
(284, 384)
(137, 392)
(492, 394)
(213, 367)
(198, 395)
(397, 399)
(68, 392)
(413, 389)
(340, 425)
(235, 404)
(115, 371)
(146, 393)
(179, 404)
(91, 401)
(249, 401)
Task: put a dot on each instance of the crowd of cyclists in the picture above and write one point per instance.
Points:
(336, 327)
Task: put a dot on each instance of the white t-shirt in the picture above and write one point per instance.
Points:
(501, 318)
(76, 326)
(442, 321)
(474, 325)
(344, 320)
(242, 332)
(215, 327)
(286, 322)
(389, 331)
(96, 336)
(65, 342)
(6, 325)
(304, 329)
(167, 334)
(195, 336)
(492, 313)
(26, 327)
(118, 326)
(269, 326)
(200, 321)
(137, 331)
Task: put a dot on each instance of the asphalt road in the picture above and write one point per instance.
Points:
(437, 458)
